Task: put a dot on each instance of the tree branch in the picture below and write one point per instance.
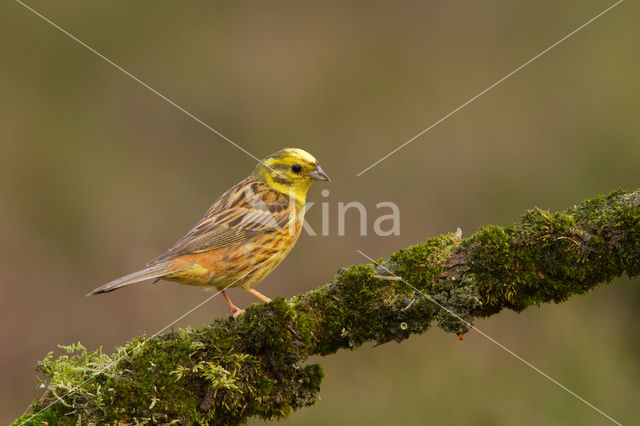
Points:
(232, 370)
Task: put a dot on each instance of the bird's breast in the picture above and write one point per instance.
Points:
(241, 264)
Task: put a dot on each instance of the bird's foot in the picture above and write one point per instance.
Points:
(238, 312)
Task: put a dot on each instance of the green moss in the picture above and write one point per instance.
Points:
(549, 257)
(191, 376)
(422, 264)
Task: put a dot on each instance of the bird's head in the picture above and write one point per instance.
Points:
(290, 171)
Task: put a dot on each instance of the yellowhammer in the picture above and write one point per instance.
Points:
(244, 235)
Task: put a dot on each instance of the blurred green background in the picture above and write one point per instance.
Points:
(98, 175)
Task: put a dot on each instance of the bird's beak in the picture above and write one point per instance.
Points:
(319, 174)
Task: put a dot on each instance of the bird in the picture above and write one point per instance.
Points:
(244, 235)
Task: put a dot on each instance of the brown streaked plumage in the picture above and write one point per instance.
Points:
(244, 235)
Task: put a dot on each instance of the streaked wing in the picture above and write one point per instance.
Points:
(245, 211)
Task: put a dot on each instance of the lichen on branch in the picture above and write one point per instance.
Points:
(231, 370)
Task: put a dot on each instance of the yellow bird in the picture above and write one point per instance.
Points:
(244, 235)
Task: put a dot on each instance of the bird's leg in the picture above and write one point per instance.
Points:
(258, 294)
(234, 309)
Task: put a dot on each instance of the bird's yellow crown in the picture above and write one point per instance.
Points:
(290, 171)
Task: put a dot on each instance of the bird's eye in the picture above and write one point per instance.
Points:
(296, 168)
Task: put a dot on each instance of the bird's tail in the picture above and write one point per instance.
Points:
(154, 271)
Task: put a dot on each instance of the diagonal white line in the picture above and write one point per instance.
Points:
(500, 345)
(102, 370)
(142, 83)
(491, 87)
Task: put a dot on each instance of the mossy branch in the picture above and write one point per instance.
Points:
(232, 370)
